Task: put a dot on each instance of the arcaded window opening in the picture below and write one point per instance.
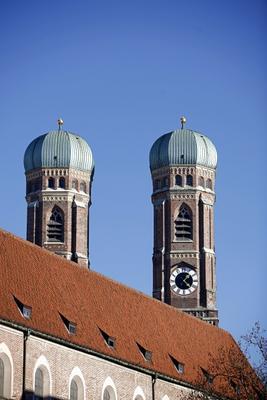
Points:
(183, 224)
(179, 180)
(209, 184)
(83, 187)
(201, 181)
(74, 184)
(189, 180)
(51, 183)
(62, 183)
(55, 226)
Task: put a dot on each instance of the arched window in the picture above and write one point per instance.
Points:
(51, 183)
(74, 184)
(62, 183)
(178, 180)
(183, 223)
(2, 377)
(55, 226)
(73, 390)
(83, 187)
(39, 384)
(201, 181)
(109, 393)
(209, 184)
(189, 180)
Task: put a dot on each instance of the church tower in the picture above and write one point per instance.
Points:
(183, 166)
(59, 170)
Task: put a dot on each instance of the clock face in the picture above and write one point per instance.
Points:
(183, 281)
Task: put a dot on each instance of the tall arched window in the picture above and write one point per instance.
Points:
(183, 224)
(189, 180)
(51, 183)
(55, 226)
(178, 180)
(109, 394)
(39, 384)
(201, 181)
(73, 390)
(62, 183)
(2, 377)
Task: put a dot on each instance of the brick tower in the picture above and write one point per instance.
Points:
(183, 164)
(59, 170)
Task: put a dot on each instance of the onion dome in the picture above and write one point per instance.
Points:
(59, 149)
(183, 147)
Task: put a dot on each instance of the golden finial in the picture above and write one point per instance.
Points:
(60, 123)
(183, 121)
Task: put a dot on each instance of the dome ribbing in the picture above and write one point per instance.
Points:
(58, 149)
(183, 147)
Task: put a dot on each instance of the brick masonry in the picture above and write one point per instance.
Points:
(198, 253)
(61, 361)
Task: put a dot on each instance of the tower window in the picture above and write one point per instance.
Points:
(189, 180)
(62, 183)
(178, 180)
(201, 181)
(51, 183)
(74, 184)
(83, 187)
(209, 184)
(183, 223)
(165, 182)
(55, 226)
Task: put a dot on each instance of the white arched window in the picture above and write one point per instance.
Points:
(165, 397)
(138, 394)
(109, 390)
(42, 378)
(6, 372)
(76, 385)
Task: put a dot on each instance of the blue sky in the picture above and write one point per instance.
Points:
(120, 74)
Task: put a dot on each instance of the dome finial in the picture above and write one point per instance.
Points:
(183, 121)
(60, 123)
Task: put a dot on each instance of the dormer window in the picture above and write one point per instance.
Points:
(207, 375)
(178, 365)
(145, 353)
(110, 341)
(70, 326)
(25, 310)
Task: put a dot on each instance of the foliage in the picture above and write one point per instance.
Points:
(229, 372)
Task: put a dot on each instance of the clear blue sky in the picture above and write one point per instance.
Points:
(120, 74)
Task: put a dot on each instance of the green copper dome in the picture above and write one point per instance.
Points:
(58, 149)
(183, 147)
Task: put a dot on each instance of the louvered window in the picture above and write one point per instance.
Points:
(2, 376)
(55, 226)
(39, 384)
(73, 390)
(183, 224)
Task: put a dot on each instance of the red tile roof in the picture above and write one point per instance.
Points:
(52, 286)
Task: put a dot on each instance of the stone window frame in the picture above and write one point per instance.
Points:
(8, 365)
(76, 377)
(109, 389)
(43, 365)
